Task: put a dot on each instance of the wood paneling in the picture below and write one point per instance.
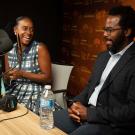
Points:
(83, 37)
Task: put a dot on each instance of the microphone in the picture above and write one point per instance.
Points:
(8, 103)
(5, 42)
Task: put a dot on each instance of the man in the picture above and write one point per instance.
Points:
(107, 104)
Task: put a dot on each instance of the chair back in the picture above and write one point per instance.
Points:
(60, 78)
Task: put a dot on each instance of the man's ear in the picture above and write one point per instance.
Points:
(128, 32)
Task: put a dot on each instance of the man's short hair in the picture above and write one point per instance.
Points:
(127, 14)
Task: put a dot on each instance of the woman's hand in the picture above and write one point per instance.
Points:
(15, 74)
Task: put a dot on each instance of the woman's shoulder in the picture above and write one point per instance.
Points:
(38, 44)
(14, 48)
(41, 45)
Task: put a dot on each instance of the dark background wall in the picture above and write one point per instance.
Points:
(72, 30)
(47, 15)
(83, 37)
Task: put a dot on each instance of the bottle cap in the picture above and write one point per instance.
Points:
(48, 87)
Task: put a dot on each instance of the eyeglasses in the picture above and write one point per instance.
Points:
(110, 30)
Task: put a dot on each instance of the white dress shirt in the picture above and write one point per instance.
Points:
(111, 63)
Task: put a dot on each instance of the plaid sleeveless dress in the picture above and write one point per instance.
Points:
(27, 91)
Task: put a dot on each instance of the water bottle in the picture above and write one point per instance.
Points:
(47, 108)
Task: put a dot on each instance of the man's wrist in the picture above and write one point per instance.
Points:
(70, 102)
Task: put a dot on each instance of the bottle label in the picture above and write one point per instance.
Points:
(47, 103)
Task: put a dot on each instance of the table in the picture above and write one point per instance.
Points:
(28, 124)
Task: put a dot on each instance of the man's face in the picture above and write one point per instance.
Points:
(113, 34)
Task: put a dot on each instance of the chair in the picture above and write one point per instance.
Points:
(60, 78)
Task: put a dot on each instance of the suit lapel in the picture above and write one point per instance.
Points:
(119, 66)
(99, 71)
(100, 66)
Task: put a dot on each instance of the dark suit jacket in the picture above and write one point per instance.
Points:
(116, 100)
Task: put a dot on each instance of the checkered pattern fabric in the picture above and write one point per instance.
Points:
(27, 92)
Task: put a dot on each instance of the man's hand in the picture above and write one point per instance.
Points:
(78, 112)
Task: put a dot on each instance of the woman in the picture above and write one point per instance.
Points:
(30, 63)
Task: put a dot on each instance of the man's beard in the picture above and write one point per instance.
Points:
(118, 44)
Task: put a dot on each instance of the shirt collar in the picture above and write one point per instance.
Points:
(122, 51)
